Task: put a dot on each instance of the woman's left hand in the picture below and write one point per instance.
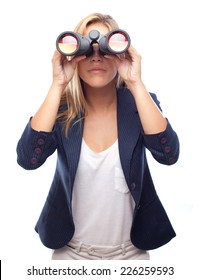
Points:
(129, 67)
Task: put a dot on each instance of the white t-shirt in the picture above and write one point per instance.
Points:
(102, 205)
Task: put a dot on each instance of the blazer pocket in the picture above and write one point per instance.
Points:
(120, 182)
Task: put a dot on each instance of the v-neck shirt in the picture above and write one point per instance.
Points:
(102, 205)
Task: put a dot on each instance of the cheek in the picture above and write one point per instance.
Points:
(113, 70)
(111, 66)
(81, 69)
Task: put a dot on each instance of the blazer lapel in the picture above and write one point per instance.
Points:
(73, 146)
(129, 128)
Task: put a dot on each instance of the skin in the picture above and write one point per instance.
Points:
(98, 73)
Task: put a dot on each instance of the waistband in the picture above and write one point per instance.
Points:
(80, 246)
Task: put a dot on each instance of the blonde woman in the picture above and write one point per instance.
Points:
(100, 118)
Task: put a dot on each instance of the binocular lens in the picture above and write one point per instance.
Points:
(68, 44)
(118, 42)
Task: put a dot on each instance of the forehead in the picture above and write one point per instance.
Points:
(103, 29)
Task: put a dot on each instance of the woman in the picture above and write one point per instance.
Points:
(100, 118)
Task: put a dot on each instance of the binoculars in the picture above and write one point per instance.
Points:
(115, 42)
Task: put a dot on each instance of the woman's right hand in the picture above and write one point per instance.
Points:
(63, 69)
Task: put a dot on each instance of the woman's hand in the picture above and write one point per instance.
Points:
(129, 66)
(63, 69)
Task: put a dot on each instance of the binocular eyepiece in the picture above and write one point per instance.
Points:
(115, 42)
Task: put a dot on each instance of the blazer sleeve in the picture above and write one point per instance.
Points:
(34, 147)
(163, 146)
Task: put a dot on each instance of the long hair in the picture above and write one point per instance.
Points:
(73, 99)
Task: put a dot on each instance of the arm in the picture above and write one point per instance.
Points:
(38, 142)
(129, 68)
(150, 115)
(63, 71)
(159, 137)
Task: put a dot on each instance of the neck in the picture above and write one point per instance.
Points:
(100, 99)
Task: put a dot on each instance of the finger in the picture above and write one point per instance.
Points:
(56, 55)
(116, 58)
(133, 52)
(76, 59)
(57, 58)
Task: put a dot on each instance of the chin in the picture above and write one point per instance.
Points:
(100, 84)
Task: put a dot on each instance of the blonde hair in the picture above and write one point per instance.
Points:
(73, 96)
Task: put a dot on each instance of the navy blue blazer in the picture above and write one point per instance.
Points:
(151, 227)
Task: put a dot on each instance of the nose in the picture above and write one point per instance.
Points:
(96, 56)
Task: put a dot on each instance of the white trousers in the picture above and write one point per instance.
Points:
(76, 250)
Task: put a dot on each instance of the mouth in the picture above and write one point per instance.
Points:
(96, 70)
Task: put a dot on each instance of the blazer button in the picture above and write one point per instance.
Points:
(34, 160)
(40, 141)
(138, 207)
(132, 186)
(167, 149)
(163, 140)
(172, 160)
(37, 151)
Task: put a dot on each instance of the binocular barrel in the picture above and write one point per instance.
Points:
(70, 43)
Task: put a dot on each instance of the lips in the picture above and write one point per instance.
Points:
(96, 70)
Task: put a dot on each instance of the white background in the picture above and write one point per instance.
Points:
(166, 34)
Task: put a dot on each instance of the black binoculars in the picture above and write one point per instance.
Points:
(115, 42)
